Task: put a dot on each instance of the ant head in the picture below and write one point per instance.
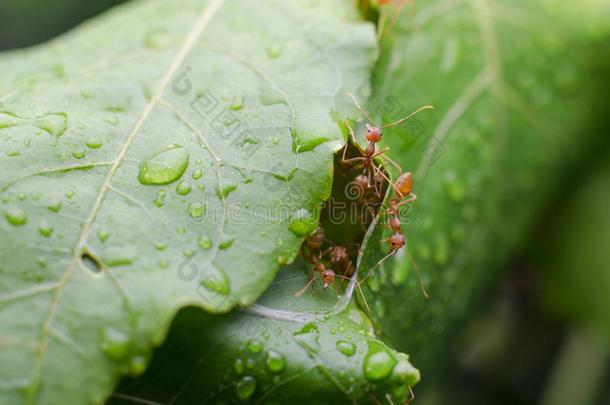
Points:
(328, 276)
(397, 241)
(339, 253)
(373, 134)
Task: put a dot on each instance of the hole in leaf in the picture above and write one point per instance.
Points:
(91, 262)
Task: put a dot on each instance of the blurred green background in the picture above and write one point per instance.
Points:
(542, 334)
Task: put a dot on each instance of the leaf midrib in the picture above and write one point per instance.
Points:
(201, 23)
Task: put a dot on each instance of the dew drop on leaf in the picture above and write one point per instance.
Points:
(308, 337)
(44, 228)
(79, 154)
(255, 346)
(184, 187)
(115, 343)
(164, 167)
(16, 216)
(216, 280)
(103, 235)
(303, 223)
(197, 173)
(205, 242)
(347, 348)
(196, 209)
(245, 387)
(238, 366)
(378, 363)
(275, 361)
(159, 198)
(93, 143)
(226, 242)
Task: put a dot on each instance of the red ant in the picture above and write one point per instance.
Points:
(328, 277)
(373, 135)
(404, 185)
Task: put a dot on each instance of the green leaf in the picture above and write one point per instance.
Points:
(155, 158)
(283, 349)
(512, 83)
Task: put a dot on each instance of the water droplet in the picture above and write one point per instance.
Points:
(112, 119)
(226, 242)
(120, 255)
(224, 192)
(181, 231)
(115, 343)
(333, 331)
(184, 187)
(308, 337)
(13, 151)
(250, 363)
(303, 223)
(54, 206)
(255, 346)
(54, 124)
(16, 216)
(216, 280)
(196, 209)
(79, 154)
(103, 235)
(245, 387)
(93, 143)
(347, 348)
(188, 253)
(205, 242)
(137, 365)
(238, 366)
(163, 263)
(161, 194)
(273, 51)
(164, 167)
(341, 329)
(159, 245)
(197, 173)
(44, 228)
(378, 363)
(238, 103)
(275, 361)
(70, 194)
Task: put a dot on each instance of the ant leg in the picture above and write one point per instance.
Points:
(351, 132)
(392, 184)
(299, 293)
(360, 289)
(360, 108)
(395, 165)
(377, 265)
(352, 159)
(380, 152)
(408, 200)
(389, 397)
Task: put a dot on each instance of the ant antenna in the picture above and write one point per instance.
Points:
(360, 108)
(421, 282)
(359, 288)
(407, 117)
(377, 265)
